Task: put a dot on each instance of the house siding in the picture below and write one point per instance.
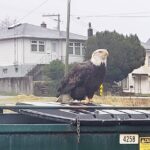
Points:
(140, 79)
(18, 51)
(33, 57)
(23, 54)
(6, 52)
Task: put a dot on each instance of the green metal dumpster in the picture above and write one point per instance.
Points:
(74, 128)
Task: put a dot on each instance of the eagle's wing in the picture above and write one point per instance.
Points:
(75, 78)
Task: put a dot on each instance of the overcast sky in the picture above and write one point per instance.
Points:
(124, 16)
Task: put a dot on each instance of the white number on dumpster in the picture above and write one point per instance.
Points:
(129, 138)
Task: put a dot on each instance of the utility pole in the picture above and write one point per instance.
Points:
(58, 19)
(67, 36)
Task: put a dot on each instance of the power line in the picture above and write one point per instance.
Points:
(113, 16)
(131, 13)
(83, 23)
(117, 15)
(33, 10)
(58, 20)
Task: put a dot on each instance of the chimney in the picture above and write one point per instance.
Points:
(43, 24)
(90, 30)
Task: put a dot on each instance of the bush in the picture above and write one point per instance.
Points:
(55, 70)
(46, 88)
(125, 53)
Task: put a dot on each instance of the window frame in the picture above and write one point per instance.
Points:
(37, 43)
(41, 43)
(73, 45)
(125, 83)
(52, 46)
(78, 48)
(5, 70)
(34, 43)
(82, 49)
(148, 61)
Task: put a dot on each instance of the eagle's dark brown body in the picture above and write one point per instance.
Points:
(83, 80)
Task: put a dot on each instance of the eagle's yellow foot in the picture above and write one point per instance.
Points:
(87, 101)
(90, 100)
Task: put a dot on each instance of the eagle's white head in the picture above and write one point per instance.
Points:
(99, 56)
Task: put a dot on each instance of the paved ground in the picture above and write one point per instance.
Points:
(1, 97)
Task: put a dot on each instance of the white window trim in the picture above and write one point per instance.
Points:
(5, 70)
(127, 83)
(55, 47)
(71, 47)
(81, 49)
(79, 46)
(38, 44)
(148, 61)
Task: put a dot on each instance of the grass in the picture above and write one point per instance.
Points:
(122, 101)
(108, 100)
(25, 98)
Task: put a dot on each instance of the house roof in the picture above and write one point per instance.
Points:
(146, 45)
(32, 31)
(143, 70)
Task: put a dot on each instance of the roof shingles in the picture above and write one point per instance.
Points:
(29, 30)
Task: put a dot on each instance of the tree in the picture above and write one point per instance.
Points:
(5, 23)
(54, 73)
(55, 70)
(125, 53)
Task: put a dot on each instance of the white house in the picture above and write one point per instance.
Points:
(25, 48)
(138, 81)
(30, 44)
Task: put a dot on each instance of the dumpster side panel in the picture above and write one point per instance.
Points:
(102, 141)
(5, 142)
(64, 137)
(38, 142)
(63, 141)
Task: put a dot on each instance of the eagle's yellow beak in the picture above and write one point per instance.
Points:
(105, 52)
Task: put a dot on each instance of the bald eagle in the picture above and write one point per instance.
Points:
(85, 78)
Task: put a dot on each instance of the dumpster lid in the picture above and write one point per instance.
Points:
(87, 116)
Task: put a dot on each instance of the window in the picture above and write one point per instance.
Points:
(41, 46)
(37, 46)
(16, 69)
(34, 46)
(149, 61)
(53, 47)
(125, 83)
(77, 49)
(83, 49)
(71, 48)
(5, 70)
